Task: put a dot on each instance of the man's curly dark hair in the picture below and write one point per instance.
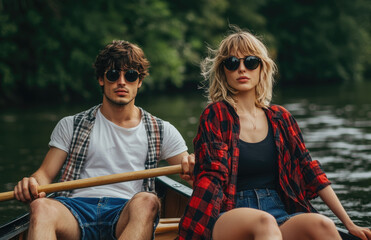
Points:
(121, 55)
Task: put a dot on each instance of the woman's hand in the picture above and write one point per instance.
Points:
(361, 232)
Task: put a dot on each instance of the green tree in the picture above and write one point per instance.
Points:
(47, 47)
(54, 44)
(319, 41)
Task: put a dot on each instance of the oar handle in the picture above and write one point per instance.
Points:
(102, 180)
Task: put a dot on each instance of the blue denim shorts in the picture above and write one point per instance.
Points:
(266, 200)
(97, 217)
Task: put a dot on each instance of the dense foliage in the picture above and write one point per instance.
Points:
(47, 47)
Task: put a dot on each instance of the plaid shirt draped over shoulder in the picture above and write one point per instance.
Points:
(83, 124)
(217, 155)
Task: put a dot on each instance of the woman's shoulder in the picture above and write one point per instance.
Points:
(216, 105)
(278, 110)
(218, 108)
(217, 112)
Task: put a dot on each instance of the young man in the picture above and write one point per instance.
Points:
(113, 137)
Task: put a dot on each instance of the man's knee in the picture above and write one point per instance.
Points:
(45, 218)
(145, 202)
(42, 207)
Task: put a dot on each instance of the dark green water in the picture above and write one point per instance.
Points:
(336, 123)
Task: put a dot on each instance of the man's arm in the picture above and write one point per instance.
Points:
(188, 162)
(26, 189)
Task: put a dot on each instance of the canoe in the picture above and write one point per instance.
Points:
(174, 197)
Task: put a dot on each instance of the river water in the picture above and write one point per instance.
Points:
(336, 123)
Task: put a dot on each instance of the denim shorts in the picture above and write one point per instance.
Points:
(97, 217)
(266, 200)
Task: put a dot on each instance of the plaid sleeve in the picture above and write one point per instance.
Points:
(211, 171)
(314, 177)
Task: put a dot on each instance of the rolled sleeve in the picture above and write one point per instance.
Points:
(315, 179)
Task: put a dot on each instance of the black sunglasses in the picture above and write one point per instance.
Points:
(251, 62)
(130, 75)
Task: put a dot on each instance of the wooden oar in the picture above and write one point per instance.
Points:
(102, 180)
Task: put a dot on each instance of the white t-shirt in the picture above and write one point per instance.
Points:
(114, 149)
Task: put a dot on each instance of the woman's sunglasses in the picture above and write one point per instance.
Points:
(251, 62)
(130, 75)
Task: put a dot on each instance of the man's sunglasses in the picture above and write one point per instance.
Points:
(251, 62)
(130, 75)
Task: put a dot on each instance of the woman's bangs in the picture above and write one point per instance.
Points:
(244, 46)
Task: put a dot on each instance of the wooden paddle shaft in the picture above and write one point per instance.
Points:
(102, 180)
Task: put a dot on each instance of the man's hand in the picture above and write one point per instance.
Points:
(188, 164)
(26, 190)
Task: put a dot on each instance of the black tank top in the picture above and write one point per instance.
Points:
(257, 165)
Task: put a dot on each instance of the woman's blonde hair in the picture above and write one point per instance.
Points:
(213, 71)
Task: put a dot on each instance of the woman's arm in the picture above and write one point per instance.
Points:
(313, 177)
(332, 201)
(211, 172)
(316, 179)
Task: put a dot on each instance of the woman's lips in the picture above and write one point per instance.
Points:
(243, 79)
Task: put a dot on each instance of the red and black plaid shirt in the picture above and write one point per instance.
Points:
(217, 154)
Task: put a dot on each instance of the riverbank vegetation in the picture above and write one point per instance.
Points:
(47, 47)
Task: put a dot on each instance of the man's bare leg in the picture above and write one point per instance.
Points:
(137, 217)
(50, 219)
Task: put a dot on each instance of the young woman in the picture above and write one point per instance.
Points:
(254, 176)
